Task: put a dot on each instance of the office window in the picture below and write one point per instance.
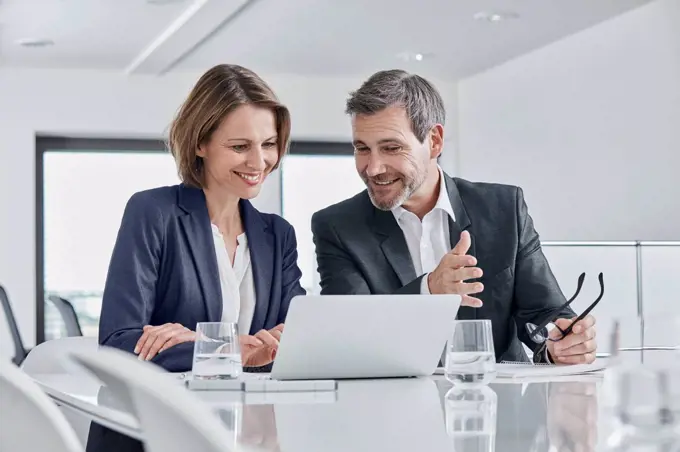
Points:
(83, 185)
(84, 194)
(310, 183)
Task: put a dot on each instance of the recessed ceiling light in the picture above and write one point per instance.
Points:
(35, 42)
(413, 56)
(495, 16)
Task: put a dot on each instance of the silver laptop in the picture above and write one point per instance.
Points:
(364, 336)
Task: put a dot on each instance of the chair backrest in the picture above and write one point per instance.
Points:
(52, 357)
(68, 314)
(171, 418)
(30, 420)
(20, 351)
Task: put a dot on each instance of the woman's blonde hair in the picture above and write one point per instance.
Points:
(217, 93)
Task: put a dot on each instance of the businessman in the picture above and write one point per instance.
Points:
(417, 230)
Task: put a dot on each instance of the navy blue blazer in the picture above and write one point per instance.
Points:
(164, 270)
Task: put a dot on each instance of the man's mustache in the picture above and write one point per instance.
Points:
(381, 177)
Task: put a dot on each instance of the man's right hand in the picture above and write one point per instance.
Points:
(260, 349)
(453, 270)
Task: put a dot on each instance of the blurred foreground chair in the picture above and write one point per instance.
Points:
(30, 420)
(52, 357)
(172, 418)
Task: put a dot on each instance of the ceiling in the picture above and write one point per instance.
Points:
(306, 37)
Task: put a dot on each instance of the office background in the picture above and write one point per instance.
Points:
(583, 116)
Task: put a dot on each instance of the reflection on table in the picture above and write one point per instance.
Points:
(413, 414)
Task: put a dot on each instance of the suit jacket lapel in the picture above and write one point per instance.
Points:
(394, 245)
(461, 224)
(196, 225)
(261, 246)
(462, 218)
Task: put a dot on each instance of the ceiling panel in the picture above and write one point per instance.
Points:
(349, 37)
(308, 37)
(93, 34)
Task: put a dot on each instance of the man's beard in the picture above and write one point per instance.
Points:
(409, 185)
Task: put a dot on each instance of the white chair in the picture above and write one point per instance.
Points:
(30, 421)
(52, 357)
(171, 418)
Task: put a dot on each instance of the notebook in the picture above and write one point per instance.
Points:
(259, 382)
(507, 369)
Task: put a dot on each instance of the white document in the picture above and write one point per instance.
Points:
(520, 370)
(260, 382)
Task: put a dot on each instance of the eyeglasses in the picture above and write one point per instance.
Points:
(539, 333)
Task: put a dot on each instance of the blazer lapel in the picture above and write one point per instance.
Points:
(461, 224)
(394, 246)
(196, 225)
(261, 246)
(462, 219)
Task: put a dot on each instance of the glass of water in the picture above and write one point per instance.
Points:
(217, 354)
(470, 356)
(642, 379)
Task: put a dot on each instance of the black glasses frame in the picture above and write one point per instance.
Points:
(551, 317)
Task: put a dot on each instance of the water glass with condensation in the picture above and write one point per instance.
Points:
(217, 353)
(470, 355)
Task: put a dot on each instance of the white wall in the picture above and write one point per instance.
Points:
(98, 104)
(588, 126)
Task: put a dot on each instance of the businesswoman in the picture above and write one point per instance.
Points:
(200, 251)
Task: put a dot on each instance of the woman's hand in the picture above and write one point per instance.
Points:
(157, 339)
(260, 349)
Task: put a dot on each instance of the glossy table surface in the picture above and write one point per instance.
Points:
(415, 414)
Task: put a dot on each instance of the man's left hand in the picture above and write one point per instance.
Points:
(579, 346)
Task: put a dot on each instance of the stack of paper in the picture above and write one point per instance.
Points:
(520, 370)
(260, 382)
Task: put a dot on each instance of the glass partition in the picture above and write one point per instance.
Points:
(617, 262)
(640, 279)
(660, 274)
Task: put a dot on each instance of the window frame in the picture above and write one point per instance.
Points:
(53, 143)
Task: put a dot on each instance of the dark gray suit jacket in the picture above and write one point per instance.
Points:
(361, 250)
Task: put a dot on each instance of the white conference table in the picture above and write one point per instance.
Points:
(413, 414)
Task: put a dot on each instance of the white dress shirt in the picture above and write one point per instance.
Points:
(237, 283)
(428, 240)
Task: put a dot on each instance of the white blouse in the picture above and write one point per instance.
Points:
(237, 283)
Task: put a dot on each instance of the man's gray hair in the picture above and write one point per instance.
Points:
(421, 100)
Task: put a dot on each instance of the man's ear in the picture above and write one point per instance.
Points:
(436, 141)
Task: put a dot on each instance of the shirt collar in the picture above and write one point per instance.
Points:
(443, 201)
